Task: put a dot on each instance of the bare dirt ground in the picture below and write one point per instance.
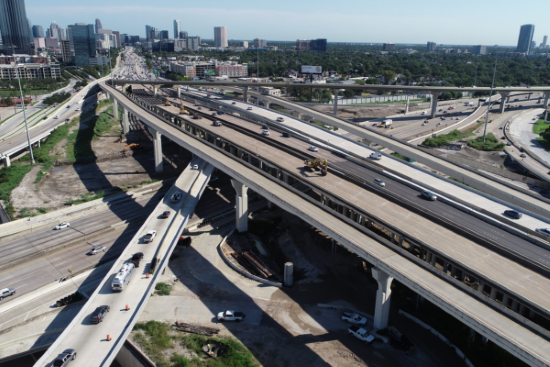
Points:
(286, 326)
(365, 112)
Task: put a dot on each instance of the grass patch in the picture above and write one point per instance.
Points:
(10, 177)
(400, 156)
(148, 182)
(465, 184)
(162, 289)
(443, 139)
(491, 143)
(84, 198)
(540, 126)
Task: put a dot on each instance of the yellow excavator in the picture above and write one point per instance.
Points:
(134, 146)
(183, 111)
(167, 103)
(316, 164)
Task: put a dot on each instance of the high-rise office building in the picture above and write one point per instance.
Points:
(320, 44)
(177, 28)
(544, 40)
(117, 35)
(388, 47)
(66, 53)
(183, 35)
(84, 43)
(525, 38)
(244, 44)
(148, 29)
(220, 37)
(38, 31)
(431, 46)
(56, 31)
(260, 43)
(479, 50)
(163, 35)
(14, 27)
(70, 37)
(193, 43)
(533, 45)
(31, 38)
(98, 25)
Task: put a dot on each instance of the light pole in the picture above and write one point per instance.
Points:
(22, 104)
(475, 78)
(490, 95)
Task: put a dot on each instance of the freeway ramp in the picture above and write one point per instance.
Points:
(90, 340)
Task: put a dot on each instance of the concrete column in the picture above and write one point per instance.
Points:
(285, 177)
(480, 286)
(7, 161)
(453, 271)
(179, 92)
(546, 99)
(407, 107)
(529, 96)
(484, 339)
(157, 140)
(433, 260)
(336, 103)
(115, 109)
(156, 90)
(125, 123)
(245, 94)
(505, 300)
(493, 293)
(502, 101)
(515, 305)
(383, 296)
(241, 203)
(434, 103)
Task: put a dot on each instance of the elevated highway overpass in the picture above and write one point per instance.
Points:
(391, 261)
(98, 345)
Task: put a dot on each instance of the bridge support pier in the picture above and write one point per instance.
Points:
(179, 92)
(336, 103)
(504, 96)
(245, 94)
(157, 140)
(125, 123)
(546, 99)
(241, 205)
(156, 90)
(7, 161)
(407, 107)
(434, 103)
(383, 296)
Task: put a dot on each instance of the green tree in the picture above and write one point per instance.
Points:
(389, 76)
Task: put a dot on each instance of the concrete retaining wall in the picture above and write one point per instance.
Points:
(238, 269)
(440, 336)
(130, 355)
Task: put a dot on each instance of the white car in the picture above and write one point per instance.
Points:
(429, 195)
(97, 250)
(62, 225)
(544, 231)
(380, 182)
(149, 236)
(78, 109)
(354, 318)
(376, 155)
(6, 292)
(313, 149)
(280, 119)
(265, 132)
(249, 109)
(231, 316)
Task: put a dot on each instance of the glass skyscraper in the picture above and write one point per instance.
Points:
(525, 38)
(14, 27)
(83, 42)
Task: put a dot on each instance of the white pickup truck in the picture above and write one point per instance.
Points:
(6, 292)
(354, 318)
(231, 316)
(361, 334)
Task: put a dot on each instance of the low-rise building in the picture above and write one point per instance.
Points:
(29, 71)
(232, 70)
(270, 91)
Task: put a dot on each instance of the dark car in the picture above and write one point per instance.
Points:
(513, 213)
(99, 313)
(166, 214)
(286, 135)
(265, 127)
(138, 256)
(64, 358)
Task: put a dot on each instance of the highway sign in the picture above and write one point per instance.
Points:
(155, 72)
(309, 69)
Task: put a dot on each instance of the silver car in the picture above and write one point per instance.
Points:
(544, 231)
(313, 149)
(379, 182)
(62, 225)
(96, 250)
(429, 195)
(64, 358)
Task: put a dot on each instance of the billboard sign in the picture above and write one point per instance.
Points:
(309, 69)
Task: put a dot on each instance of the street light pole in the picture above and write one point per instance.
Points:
(490, 95)
(22, 104)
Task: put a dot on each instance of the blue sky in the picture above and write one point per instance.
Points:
(458, 22)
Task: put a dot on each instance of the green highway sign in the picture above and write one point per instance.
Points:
(154, 72)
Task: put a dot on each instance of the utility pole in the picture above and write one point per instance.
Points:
(490, 95)
(22, 103)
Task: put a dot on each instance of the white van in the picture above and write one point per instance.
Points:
(56, 117)
(122, 278)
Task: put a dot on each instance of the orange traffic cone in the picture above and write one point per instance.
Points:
(127, 308)
(147, 275)
(108, 338)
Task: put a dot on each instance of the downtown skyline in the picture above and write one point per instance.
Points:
(357, 23)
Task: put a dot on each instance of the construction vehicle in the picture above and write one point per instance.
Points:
(317, 164)
(134, 146)
(167, 103)
(386, 123)
(183, 111)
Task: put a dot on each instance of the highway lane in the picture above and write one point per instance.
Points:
(486, 230)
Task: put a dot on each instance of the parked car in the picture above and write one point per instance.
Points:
(513, 213)
(96, 250)
(64, 358)
(136, 258)
(354, 318)
(165, 214)
(231, 316)
(544, 231)
(149, 236)
(6, 292)
(176, 197)
(62, 225)
(265, 132)
(99, 314)
(313, 149)
(429, 195)
(360, 334)
(380, 182)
